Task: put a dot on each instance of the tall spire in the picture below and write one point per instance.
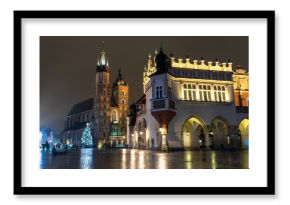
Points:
(120, 77)
(103, 62)
(119, 80)
(103, 54)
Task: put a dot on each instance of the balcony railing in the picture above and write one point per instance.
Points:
(163, 103)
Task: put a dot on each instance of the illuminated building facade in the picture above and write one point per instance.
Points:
(106, 111)
(190, 105)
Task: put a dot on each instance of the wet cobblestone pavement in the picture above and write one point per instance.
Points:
(90, 158)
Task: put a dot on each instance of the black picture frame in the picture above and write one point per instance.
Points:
(268, 190)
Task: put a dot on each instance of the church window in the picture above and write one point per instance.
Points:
(114, 116)
(123, 93)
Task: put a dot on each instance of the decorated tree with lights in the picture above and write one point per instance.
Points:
(87, 140)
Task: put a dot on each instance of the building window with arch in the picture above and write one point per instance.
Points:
(185, 92)
(220, 93)
(215, 93)
(205, 93)
(223, 91)
(201, 97)
(159, 92)
(189, 92)
(123, 93)
(114, 116)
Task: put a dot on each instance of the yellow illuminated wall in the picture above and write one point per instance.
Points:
(241, 87)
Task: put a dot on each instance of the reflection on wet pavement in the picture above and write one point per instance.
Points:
(91, 158)
(86, 161)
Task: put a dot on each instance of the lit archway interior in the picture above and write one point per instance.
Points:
(244, 133)
(220, 134)
(193, 133)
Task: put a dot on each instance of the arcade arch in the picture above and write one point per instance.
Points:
(194, 133)
(219, 135)
(244, 133)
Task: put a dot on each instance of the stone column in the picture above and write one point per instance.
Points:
(164, 146)
(206, 136)
(233, 138)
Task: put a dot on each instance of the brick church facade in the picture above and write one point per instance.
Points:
(105, 112)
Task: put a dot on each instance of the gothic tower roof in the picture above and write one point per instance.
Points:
(103, 62)
(119, 80)
(162, 62)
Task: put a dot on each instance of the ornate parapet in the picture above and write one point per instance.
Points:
(201, 65)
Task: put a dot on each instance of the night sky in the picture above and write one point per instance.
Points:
(67, 65)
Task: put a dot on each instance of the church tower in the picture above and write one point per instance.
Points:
(119, 111)
(102, 100)
(120, 99)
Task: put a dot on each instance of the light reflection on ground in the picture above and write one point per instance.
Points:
(90, 158)
(87, 158)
